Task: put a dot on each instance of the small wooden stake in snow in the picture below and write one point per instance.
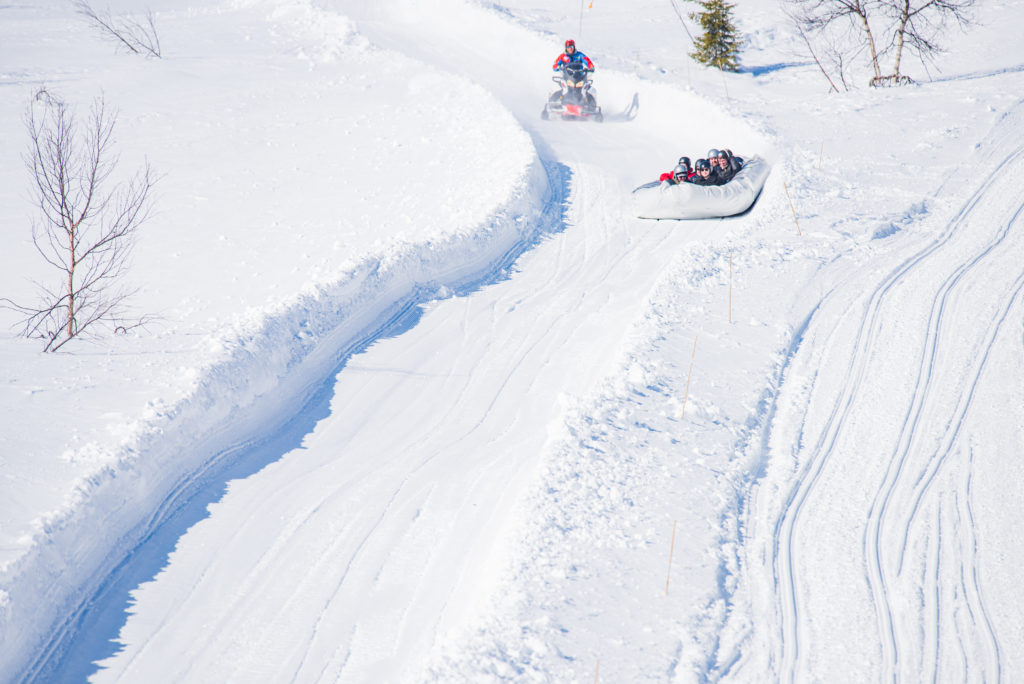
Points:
(596, 669)
(730, 287)
(792, 208)
(671, 550)
(688, 374)
(820, 150)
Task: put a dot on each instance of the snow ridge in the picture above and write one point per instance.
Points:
(265, 375)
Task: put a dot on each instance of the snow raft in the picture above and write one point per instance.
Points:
(658, 200)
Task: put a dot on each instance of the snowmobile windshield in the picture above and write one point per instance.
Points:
(574, 72)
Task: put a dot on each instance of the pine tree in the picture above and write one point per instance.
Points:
(719, 46)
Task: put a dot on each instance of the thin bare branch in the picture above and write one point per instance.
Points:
(136, 35)
(816, 60)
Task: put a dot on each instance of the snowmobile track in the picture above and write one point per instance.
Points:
(899, 501)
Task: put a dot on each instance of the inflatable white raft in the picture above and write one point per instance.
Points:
(659, 200)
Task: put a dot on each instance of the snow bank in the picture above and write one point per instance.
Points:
(256, 370)
(262, 377)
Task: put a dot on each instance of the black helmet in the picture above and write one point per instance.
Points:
(702, 164)
(685, 161)
(680, 171)
(724, 154)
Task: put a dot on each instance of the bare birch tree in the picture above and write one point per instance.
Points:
(917, 24)
(84, 230)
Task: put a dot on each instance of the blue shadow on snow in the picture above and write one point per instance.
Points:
(90, 633)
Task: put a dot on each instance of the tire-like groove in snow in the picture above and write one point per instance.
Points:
(792, 623)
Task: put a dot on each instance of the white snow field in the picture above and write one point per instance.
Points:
(422, 402)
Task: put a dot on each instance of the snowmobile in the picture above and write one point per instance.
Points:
(573, 100)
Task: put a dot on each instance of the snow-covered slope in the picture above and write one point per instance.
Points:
(290, 264)
(425, 403)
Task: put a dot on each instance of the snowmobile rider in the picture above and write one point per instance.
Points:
(572, 55)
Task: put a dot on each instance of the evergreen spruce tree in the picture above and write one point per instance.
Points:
(719, 46)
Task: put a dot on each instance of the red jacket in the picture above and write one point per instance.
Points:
(576, 56)
(668, 176)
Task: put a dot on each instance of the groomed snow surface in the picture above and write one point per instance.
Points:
(421, 400)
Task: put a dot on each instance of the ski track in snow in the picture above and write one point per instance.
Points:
(982, 244)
